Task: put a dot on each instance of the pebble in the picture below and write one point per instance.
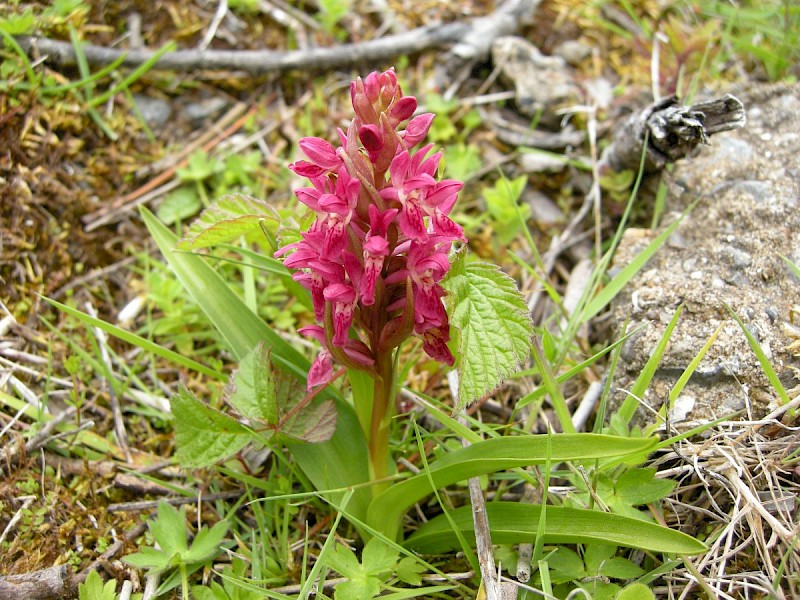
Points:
(156, 112)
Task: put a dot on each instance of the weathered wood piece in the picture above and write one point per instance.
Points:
(46, 584)
(472, 37)
(671, 131)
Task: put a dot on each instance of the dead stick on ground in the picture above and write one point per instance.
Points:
(671, 132)
(495, 590)
(270, 61)
(46, 584)
(116, 410)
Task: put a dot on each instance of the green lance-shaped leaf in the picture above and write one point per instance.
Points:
(517, 523)
(494, 455)
(203, 435)
(252, 388)
(493, 326)
(228, 219)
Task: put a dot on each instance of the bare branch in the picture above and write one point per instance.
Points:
(316, 59)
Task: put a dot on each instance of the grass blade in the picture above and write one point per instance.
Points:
(138, 341)
(762, 359)
(628, 408)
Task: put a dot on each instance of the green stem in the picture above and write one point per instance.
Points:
(381, 422)
(184, 581)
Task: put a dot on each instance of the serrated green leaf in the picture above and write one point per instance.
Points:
(227, 220)
(252, 387)
(501, 201)
(93, 588)
(313, 424)
(200, 166)
(566, 565)
(214, 592)
(595, 555)
(179, 206)
(19, 24)
(344, 561)
(357, 589)
(493, 324)
(203, 435)
(148, 559)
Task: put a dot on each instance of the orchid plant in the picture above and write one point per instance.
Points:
(374, 257)
(378, 268)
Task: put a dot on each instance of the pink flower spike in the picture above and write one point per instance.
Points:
(357, 351)
(313, 331)
(321, 371)
(411, 220)
(320, 152)
(372, 86)
(417, 129)
(343, 298)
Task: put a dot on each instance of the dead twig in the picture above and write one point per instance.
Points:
(671, 131)
(46, 584)
(473, 35)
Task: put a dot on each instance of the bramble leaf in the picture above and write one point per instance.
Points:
(252, 387)
(227, 220)
(203, 435)
(493, 325)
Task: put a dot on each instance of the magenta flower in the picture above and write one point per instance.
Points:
(375, 255)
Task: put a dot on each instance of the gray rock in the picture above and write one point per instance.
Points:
(573, 51)
(544, 211)
(197, 112)
(156, 112)
(728, 256)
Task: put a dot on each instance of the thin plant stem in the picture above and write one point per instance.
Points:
(380, 424)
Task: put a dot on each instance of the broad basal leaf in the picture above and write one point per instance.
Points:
(252, 387)
(493, 324)
(203, 435)
(226, 220)
(517, 523)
